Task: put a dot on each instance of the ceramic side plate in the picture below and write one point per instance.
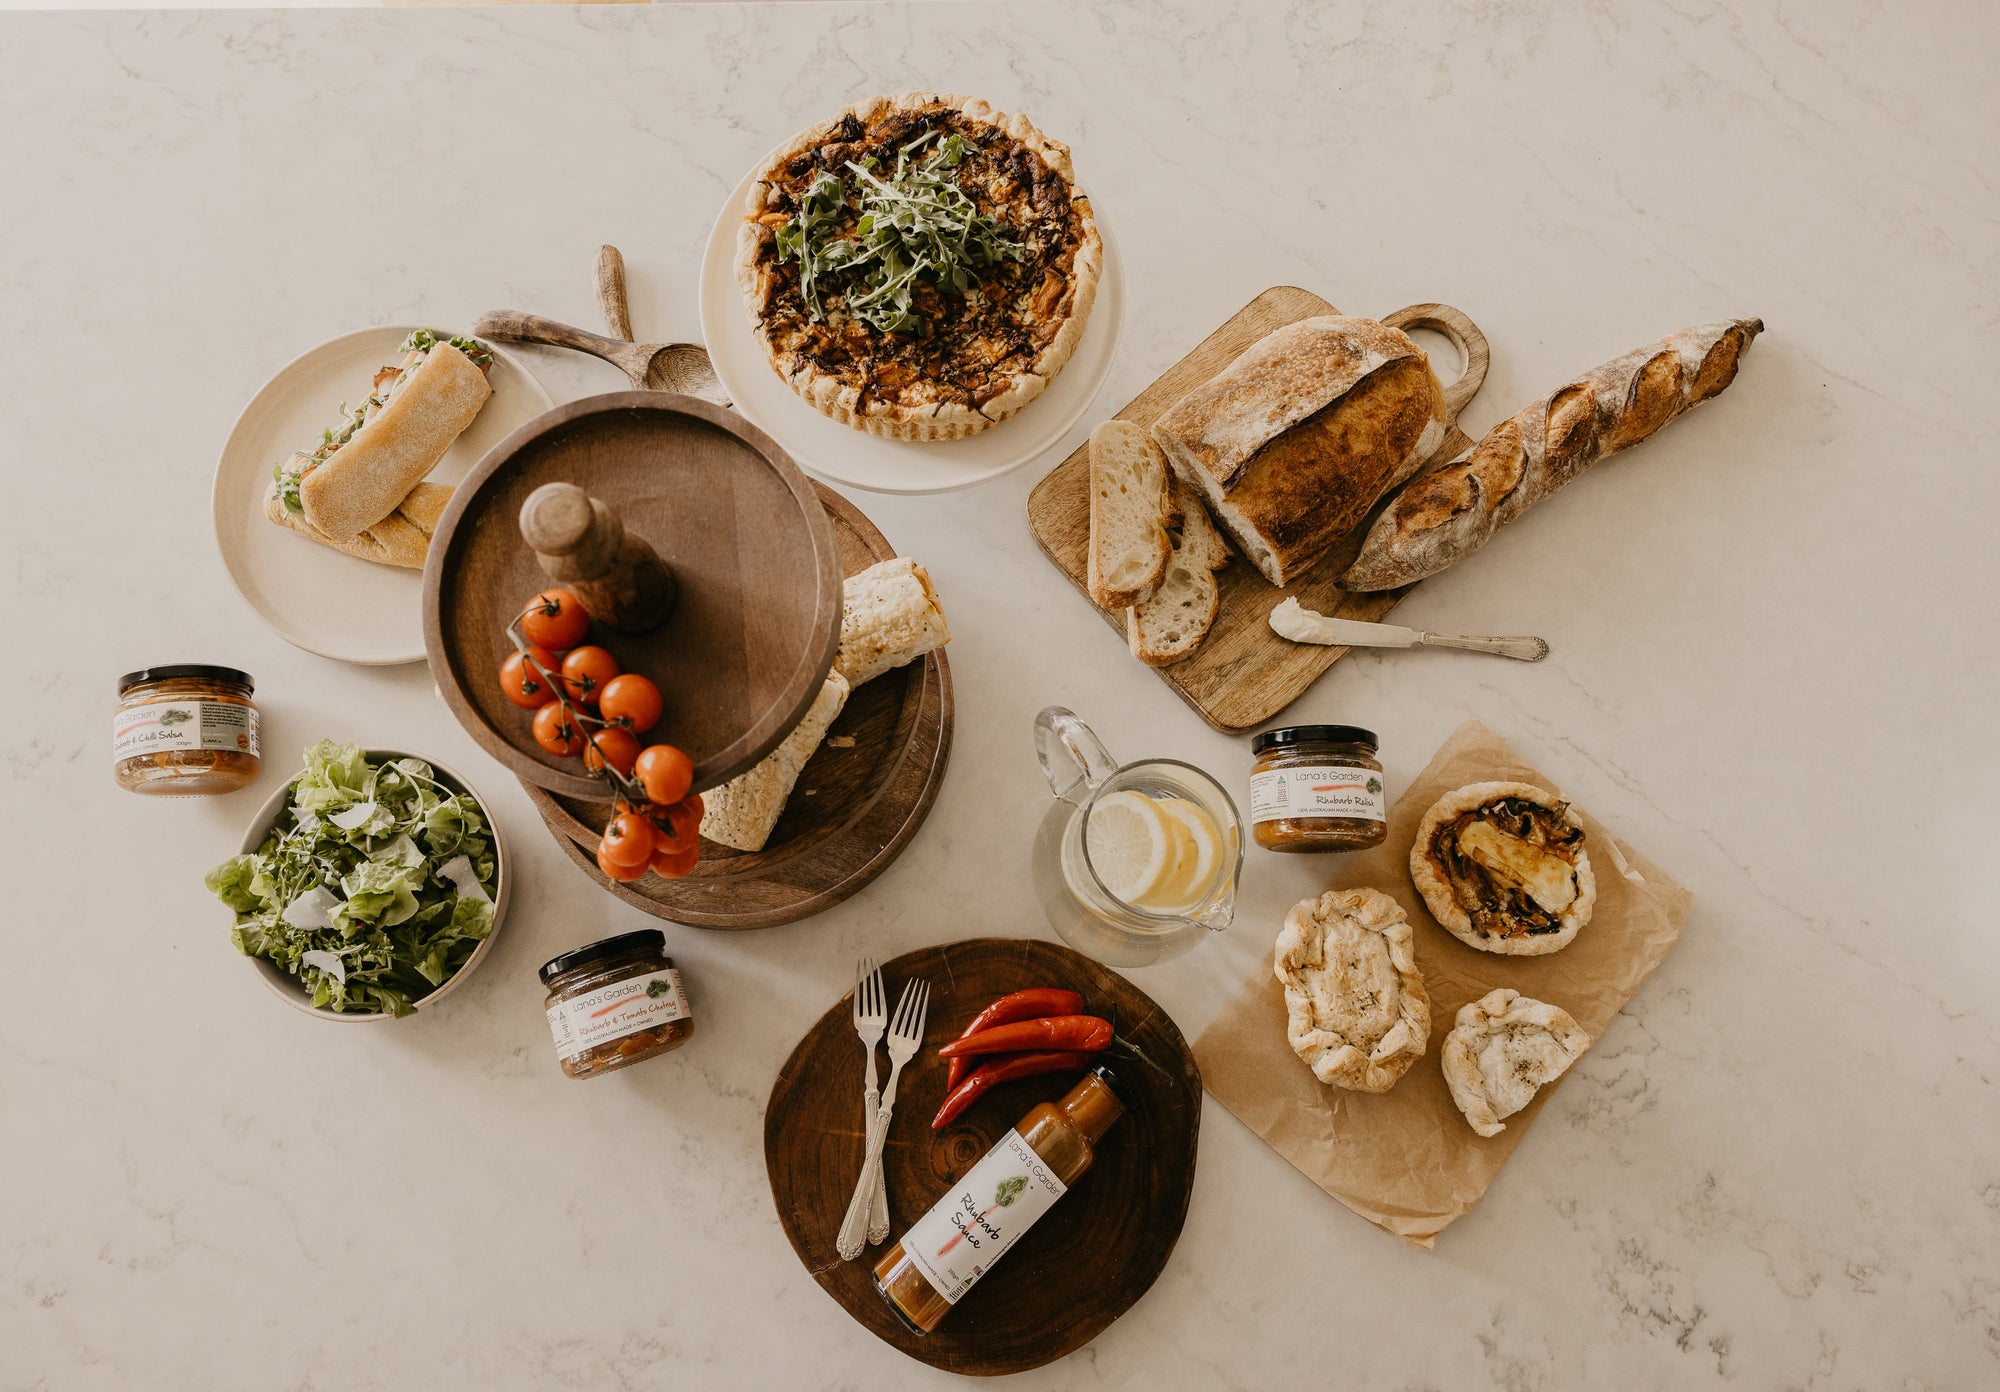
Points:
(311, 595)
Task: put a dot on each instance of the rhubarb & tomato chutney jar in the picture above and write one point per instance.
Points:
(615, 1002)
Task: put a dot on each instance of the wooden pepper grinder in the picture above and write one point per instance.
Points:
(620, 580)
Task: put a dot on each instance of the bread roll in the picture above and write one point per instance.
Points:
(362, 482)
(403, 538)
(889, 615)
(1294, 442)
(1447, 515)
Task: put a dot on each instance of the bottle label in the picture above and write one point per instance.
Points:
(972, 1227)
(1317, 790)
(163, 725)
(583, 1022)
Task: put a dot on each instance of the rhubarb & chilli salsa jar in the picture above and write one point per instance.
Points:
(615, 1003)
(1317, 788)
(184, 730)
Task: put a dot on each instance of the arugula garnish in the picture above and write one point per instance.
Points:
(373, 888)
(911, 227)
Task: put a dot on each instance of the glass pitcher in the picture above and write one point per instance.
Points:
(1133, 863)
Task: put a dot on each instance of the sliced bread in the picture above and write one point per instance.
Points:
(1129, 504)
(1170, 623)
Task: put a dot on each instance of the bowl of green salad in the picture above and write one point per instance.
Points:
(368, 887)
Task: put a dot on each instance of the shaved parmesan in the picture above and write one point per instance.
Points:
(460, 872)
(312, 910)
(328, 962)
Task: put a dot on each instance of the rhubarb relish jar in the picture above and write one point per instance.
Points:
(1317, 788)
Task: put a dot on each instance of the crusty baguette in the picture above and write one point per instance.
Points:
(1445, 516)
(400, 539)
(1297, 439)
(742, 812)
(889, 615)
(362, 482)
(1170, 623)
(1129, 503)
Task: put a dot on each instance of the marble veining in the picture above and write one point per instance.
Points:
(1774, 634)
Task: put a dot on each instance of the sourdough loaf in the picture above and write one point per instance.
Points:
(1294, 441)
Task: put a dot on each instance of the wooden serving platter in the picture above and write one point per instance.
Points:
(757, 620)
(860, 798)
(1243, 674)
(1090, 1258)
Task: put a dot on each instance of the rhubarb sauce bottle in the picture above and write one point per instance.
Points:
(948, 1249)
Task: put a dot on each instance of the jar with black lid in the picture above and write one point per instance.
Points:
(615, 1002)
(1317, 788)
(183, 730)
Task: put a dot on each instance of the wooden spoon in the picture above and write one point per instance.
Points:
(673, 367)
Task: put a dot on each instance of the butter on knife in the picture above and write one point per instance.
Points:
(1294, 621)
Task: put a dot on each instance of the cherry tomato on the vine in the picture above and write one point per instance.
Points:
(556, 732)
(632, 701)
(611, 745)
(624, 874)
(524, 686)
(554, 619)
(673, 865)
(677, 827)
(629, 840)
(586, 671)
(664, 772)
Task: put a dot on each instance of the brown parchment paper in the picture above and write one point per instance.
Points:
(1405, 1159)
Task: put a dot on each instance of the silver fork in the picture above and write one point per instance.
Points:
(906, 1035)
(871, 1017)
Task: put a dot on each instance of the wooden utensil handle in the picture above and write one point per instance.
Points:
(1465, 336)
(512, 326)
(611, 292)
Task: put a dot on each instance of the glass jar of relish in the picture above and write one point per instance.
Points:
(615, 1002)
(184, 730)
(1317, 788)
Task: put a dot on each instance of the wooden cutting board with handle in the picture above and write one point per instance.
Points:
(1243, 674)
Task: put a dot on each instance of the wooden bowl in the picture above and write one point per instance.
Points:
(1090, 1258)
(757, 622)
(857, 803)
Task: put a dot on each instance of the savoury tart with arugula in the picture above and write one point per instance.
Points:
(919, 267)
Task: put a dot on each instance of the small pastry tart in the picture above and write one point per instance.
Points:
(1355, 1006)
(1502, 1051)
(1503, 868)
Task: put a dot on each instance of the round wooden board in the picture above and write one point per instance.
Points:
(731, 890)
(1089, 1259)
(757, 621)
(857, 802)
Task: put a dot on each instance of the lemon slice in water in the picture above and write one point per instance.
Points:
(1129, 842)
(1199, 849)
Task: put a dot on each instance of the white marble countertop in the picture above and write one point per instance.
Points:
(1774, 633)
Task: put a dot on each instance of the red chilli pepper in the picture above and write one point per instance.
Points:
(1069, 1032)
(1031, 1004)
(1004, 1070)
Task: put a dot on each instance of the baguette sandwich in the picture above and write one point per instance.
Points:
(363, 469)
(402, 538)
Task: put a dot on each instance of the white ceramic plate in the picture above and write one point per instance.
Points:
(843, 454)
(313, 596)
(286, 986)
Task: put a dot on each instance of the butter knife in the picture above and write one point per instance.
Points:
(1294, 621)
